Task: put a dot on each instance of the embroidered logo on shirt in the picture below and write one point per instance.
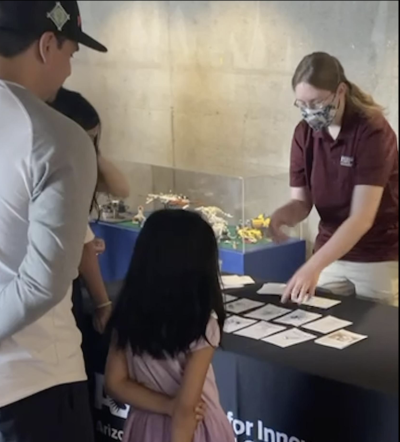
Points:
(346, 161)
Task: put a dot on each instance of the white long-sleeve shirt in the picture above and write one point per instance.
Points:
(47, 179)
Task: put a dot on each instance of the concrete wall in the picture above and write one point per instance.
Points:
(205, 85)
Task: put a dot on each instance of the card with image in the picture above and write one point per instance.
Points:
(260, 330)
(288, 338)
(234, 323)
(272, 288)
(340, 339)
(327, 325)
(298, 317)
(242, 305)
(322, 303)
(268, 312)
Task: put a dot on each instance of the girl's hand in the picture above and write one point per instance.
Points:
(101, 318)
(303, 284)
(200, 410)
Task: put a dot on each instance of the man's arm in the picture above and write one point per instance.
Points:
(64, 179)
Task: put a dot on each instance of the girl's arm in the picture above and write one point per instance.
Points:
(111, 180)
(120, 386)
(184, 421)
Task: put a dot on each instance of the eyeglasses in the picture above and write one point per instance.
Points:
(315, 105)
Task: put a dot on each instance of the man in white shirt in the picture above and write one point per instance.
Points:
(47, 180)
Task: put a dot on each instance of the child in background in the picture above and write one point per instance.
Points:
(166, 326)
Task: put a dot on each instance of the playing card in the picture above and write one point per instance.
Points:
(340, 339)
(272, 288)
(236, 281)
(327, 325)
(242, 305)
(228, 298)
(288, 338)
(260, 330)
(234, 323)
(298, 317)
(268, 312)
(322, 303)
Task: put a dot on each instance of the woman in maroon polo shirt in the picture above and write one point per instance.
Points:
(344, 161)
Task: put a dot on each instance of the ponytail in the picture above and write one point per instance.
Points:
(362, 101)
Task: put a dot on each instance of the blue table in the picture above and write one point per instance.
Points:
(272, 262)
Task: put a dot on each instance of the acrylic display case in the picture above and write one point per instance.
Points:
(237, 206)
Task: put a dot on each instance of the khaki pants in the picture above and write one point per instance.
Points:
(373, 281)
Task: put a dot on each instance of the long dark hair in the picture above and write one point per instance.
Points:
(323, 71)
(74, 106)
(172, 287)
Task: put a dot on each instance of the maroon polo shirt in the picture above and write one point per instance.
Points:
(365, 153)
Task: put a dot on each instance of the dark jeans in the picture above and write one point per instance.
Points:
(60, 414)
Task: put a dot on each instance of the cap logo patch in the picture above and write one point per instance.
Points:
(58, 15)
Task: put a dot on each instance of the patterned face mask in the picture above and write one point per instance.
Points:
(319, 119)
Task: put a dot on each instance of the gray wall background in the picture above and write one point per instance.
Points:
(205, 85)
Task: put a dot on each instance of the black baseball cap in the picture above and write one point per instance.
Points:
(37, 17)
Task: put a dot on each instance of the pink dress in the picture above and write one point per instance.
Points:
(165, 376)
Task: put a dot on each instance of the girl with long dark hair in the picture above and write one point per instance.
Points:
(166, 326)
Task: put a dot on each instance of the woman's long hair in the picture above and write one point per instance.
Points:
(323, 71)
(74, 106)
(172, 287)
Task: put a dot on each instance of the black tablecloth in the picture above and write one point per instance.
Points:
(370, 364)
(304, 393)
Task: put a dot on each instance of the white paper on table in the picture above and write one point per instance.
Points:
(288, 338)
(236, 280)
(298, 317)
(228, 298)
(340, 339)
(327, 324)
(260, 330)
(268, 312)
(322, 303)
(272, 288)
(234, 323)
(242, 305)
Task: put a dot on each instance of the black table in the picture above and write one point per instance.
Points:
(304, 393)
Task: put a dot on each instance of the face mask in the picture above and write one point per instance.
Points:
(319, 119)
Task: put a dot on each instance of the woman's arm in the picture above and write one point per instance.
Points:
(365, 205)
(293, 213)
(111, 180)
(184, 421)
(120, 386)
(89, 270)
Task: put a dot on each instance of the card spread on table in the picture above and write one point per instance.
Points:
(340, 339)
(322, 303)
(260, 330)
(327, 324)
(288, 338)
(229, 281)
(234, 323)
(242, 305)
(229, 298)
(272, 288)
(268, 312)
(298, 317)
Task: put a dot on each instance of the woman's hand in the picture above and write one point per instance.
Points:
(99, 246)
(278, 220)
(303, 284)
(101, 318)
